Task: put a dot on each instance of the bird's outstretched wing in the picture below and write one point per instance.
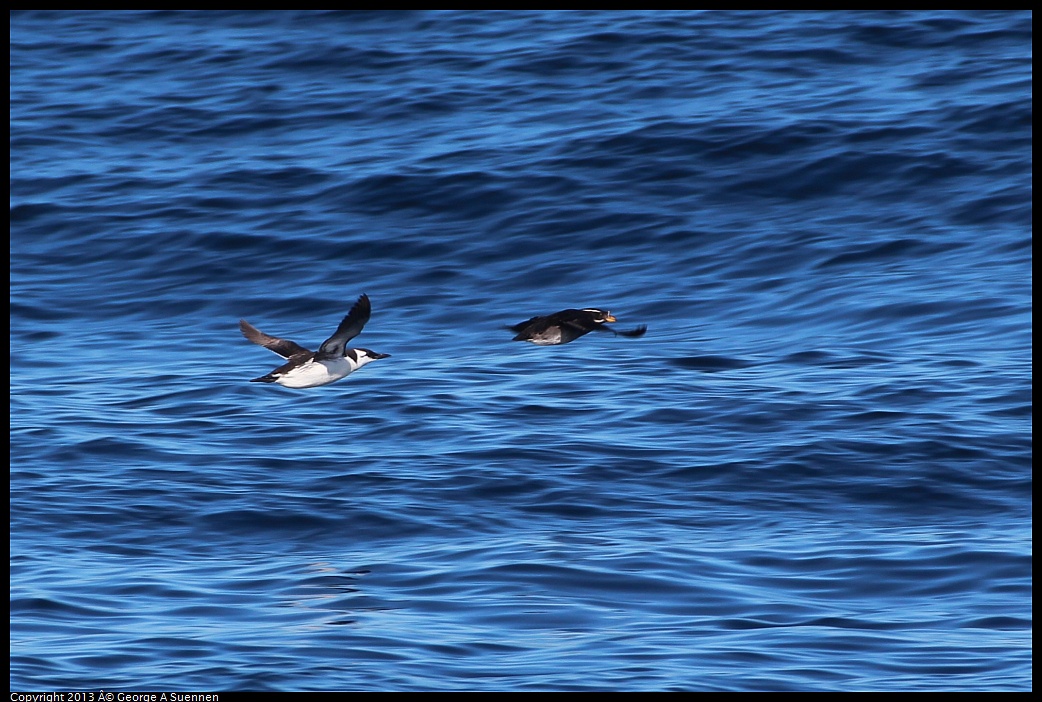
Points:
(349, 328)
(639, 331)
(283, 347)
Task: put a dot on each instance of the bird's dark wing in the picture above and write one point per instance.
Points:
(349, 328)
(523, 325)
(581, 324)
(283, 347)
(639, 331)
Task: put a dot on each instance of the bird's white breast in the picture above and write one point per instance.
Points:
(315, 373)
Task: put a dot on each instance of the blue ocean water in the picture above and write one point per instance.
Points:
(813, 473)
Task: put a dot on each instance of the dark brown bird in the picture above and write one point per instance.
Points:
(568, 325)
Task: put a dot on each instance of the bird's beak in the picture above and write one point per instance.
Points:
(609, 317)
(381, 355)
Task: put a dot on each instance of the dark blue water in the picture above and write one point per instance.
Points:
(813, 472)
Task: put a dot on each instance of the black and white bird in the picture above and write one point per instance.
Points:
(332, 361)
(568, 325)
